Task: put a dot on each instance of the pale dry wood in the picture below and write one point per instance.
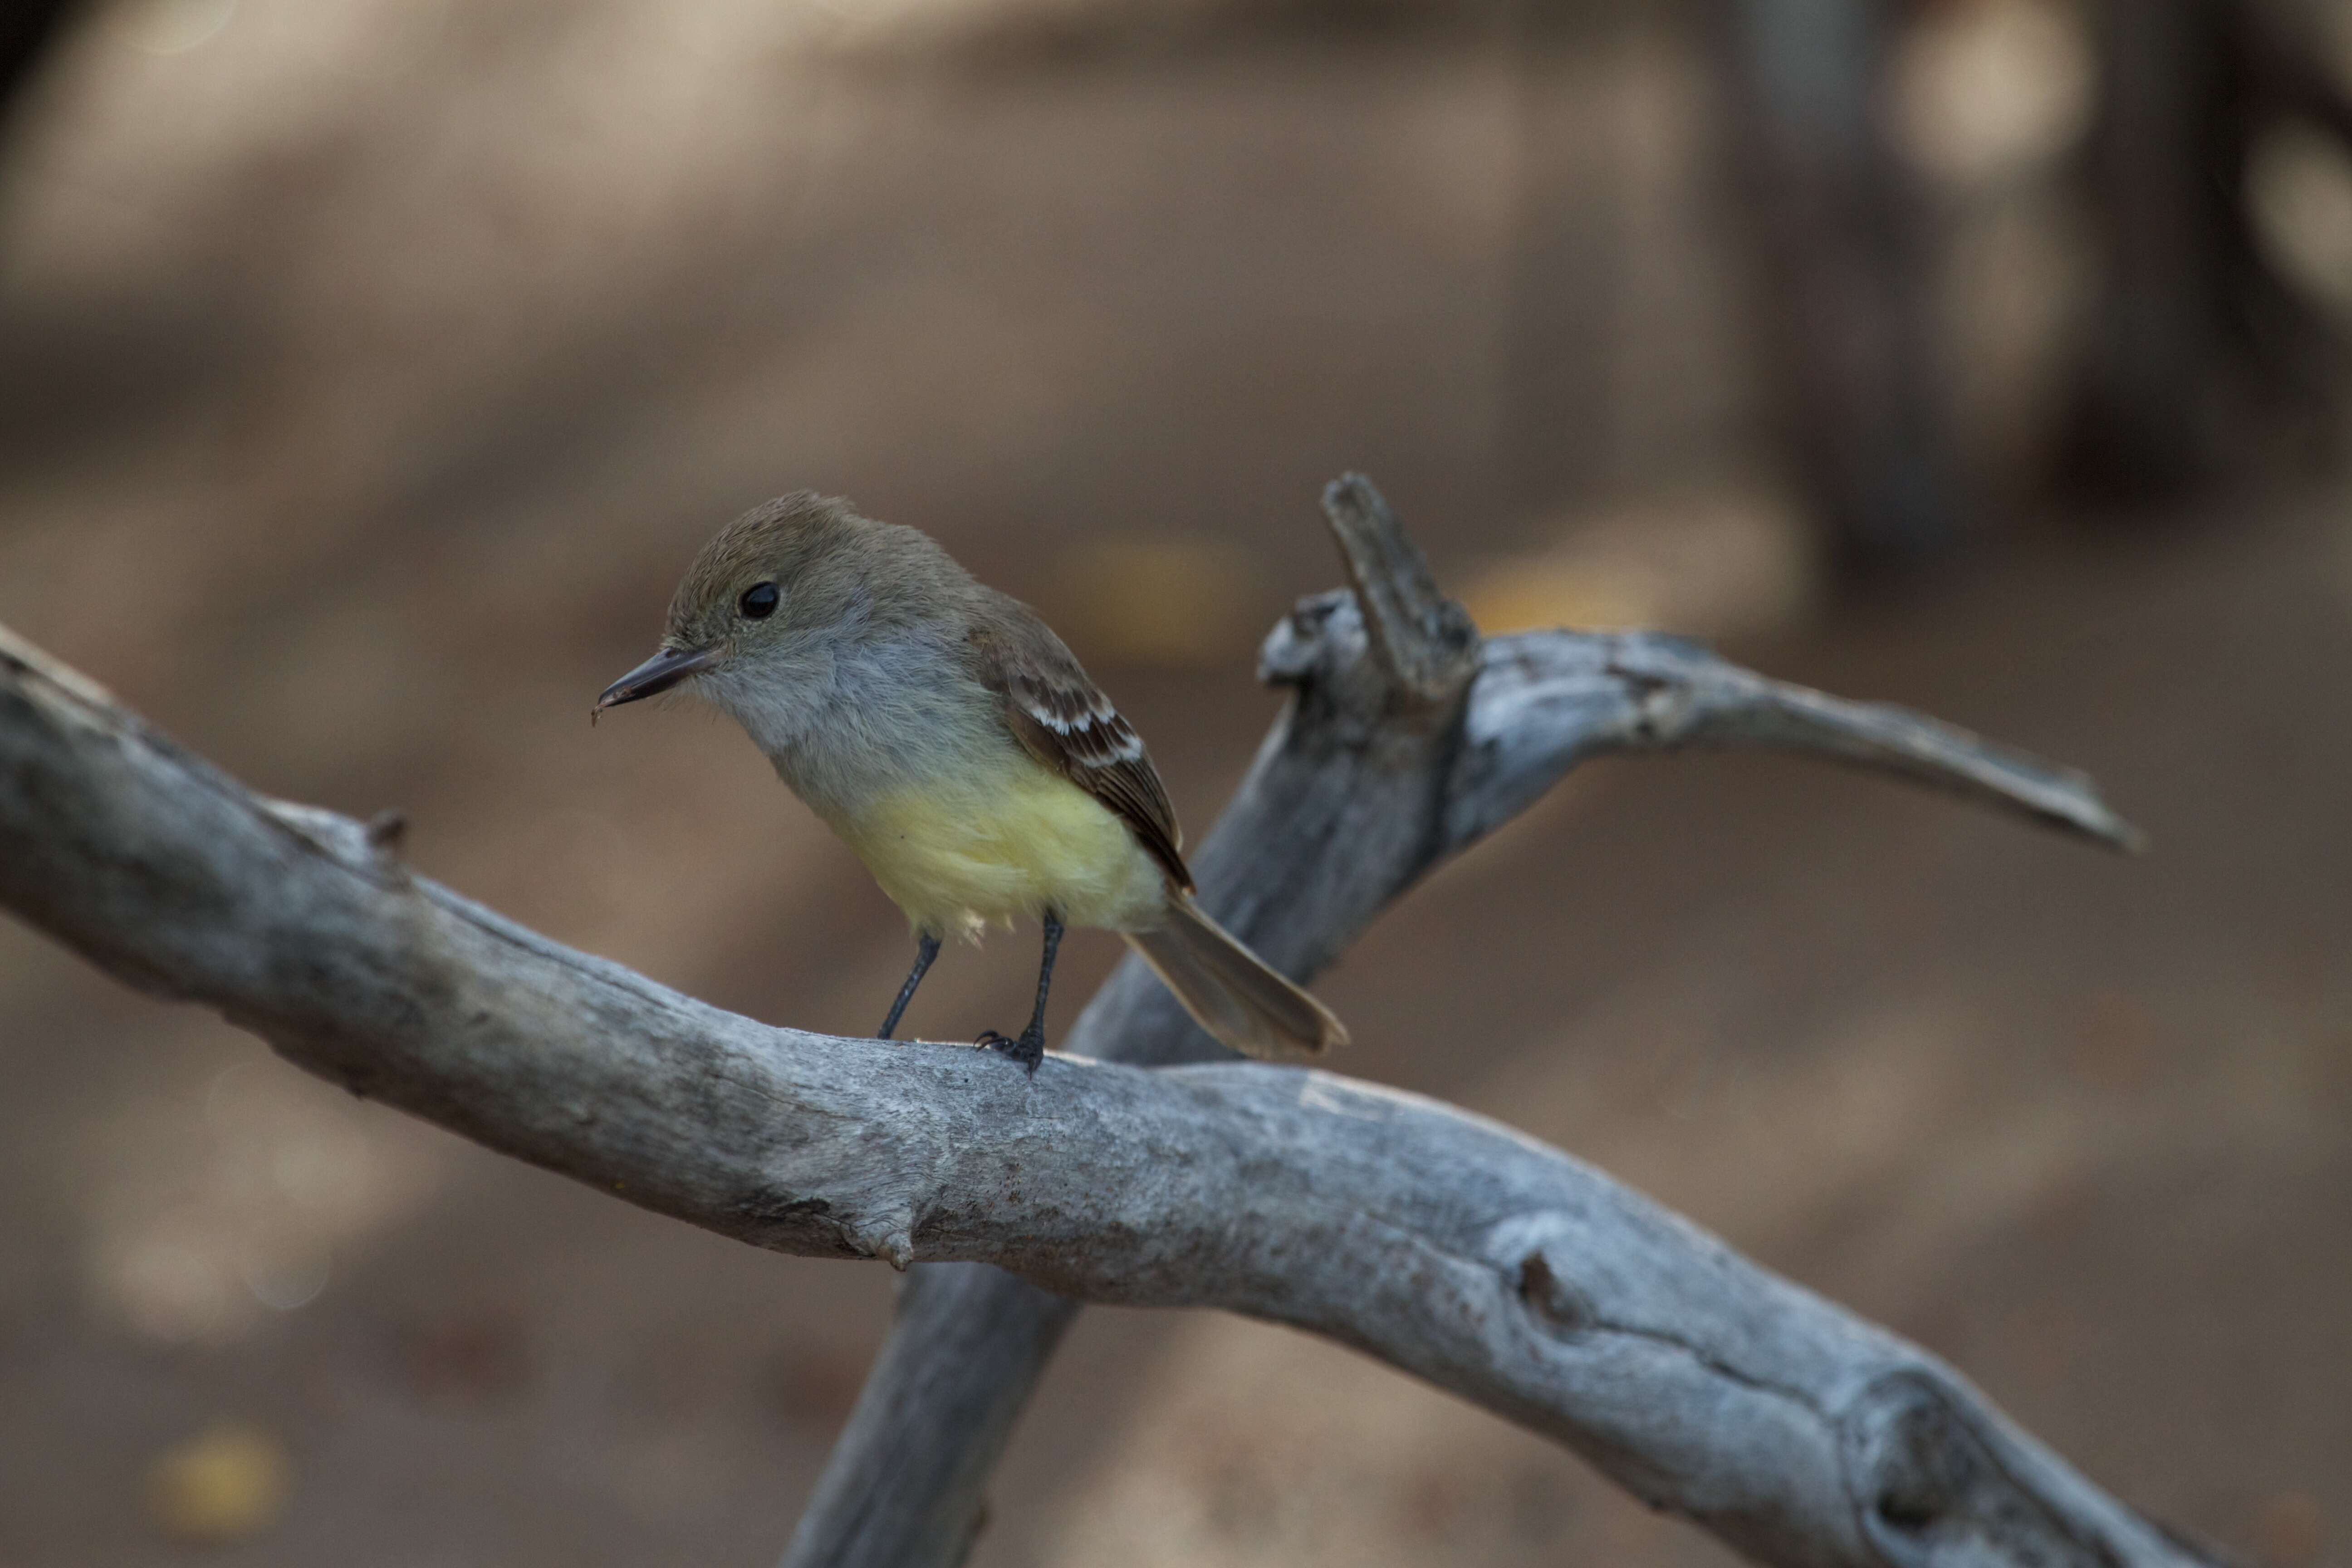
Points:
(1446, 1244)
(1404, 744)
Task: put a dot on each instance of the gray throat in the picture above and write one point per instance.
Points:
(846, 725)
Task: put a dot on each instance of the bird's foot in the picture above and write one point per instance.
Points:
(1028, 1051)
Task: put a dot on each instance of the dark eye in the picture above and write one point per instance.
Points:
(759, 601)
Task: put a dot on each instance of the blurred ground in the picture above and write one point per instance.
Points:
(368, 371)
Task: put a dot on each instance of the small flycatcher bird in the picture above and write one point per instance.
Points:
(945, 732)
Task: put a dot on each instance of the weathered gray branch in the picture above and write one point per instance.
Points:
(1536, 1287)
(1401, 749)
(1446, 1244)
(1547, 700)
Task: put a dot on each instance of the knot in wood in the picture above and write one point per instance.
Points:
(1559, 1308)
(1930, 1482)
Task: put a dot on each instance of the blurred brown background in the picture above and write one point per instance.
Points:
(369, 369)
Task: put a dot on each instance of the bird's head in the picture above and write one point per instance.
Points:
(775, 598)
(777, 578)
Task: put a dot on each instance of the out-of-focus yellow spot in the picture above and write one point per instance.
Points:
(228, 1483)
(1723, 565)
(1558, 590)
(168, 27)
(1158, 600)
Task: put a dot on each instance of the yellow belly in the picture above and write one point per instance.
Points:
(1018, 842)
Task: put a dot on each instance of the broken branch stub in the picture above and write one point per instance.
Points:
(1425, 644)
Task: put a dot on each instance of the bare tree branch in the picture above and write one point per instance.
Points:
(1547, 700)
(1442, 1243)
(1423, 643)
(1379, 770)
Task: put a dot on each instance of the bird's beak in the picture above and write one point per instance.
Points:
(655, 676)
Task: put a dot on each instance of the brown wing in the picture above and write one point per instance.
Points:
(1062, 718)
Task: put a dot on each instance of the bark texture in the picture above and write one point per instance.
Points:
(1408, 740)
(1442, 1243)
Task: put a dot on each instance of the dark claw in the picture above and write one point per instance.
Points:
(1028, 1051)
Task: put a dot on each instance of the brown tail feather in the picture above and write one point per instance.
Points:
(1229, 990)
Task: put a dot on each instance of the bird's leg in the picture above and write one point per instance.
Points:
(1030, 1049)
(927, 948)
(1033, 1038)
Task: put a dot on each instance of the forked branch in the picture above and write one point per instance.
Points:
(1444, 1244)
(1386, 763)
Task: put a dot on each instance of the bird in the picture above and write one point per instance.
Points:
(958, 747)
